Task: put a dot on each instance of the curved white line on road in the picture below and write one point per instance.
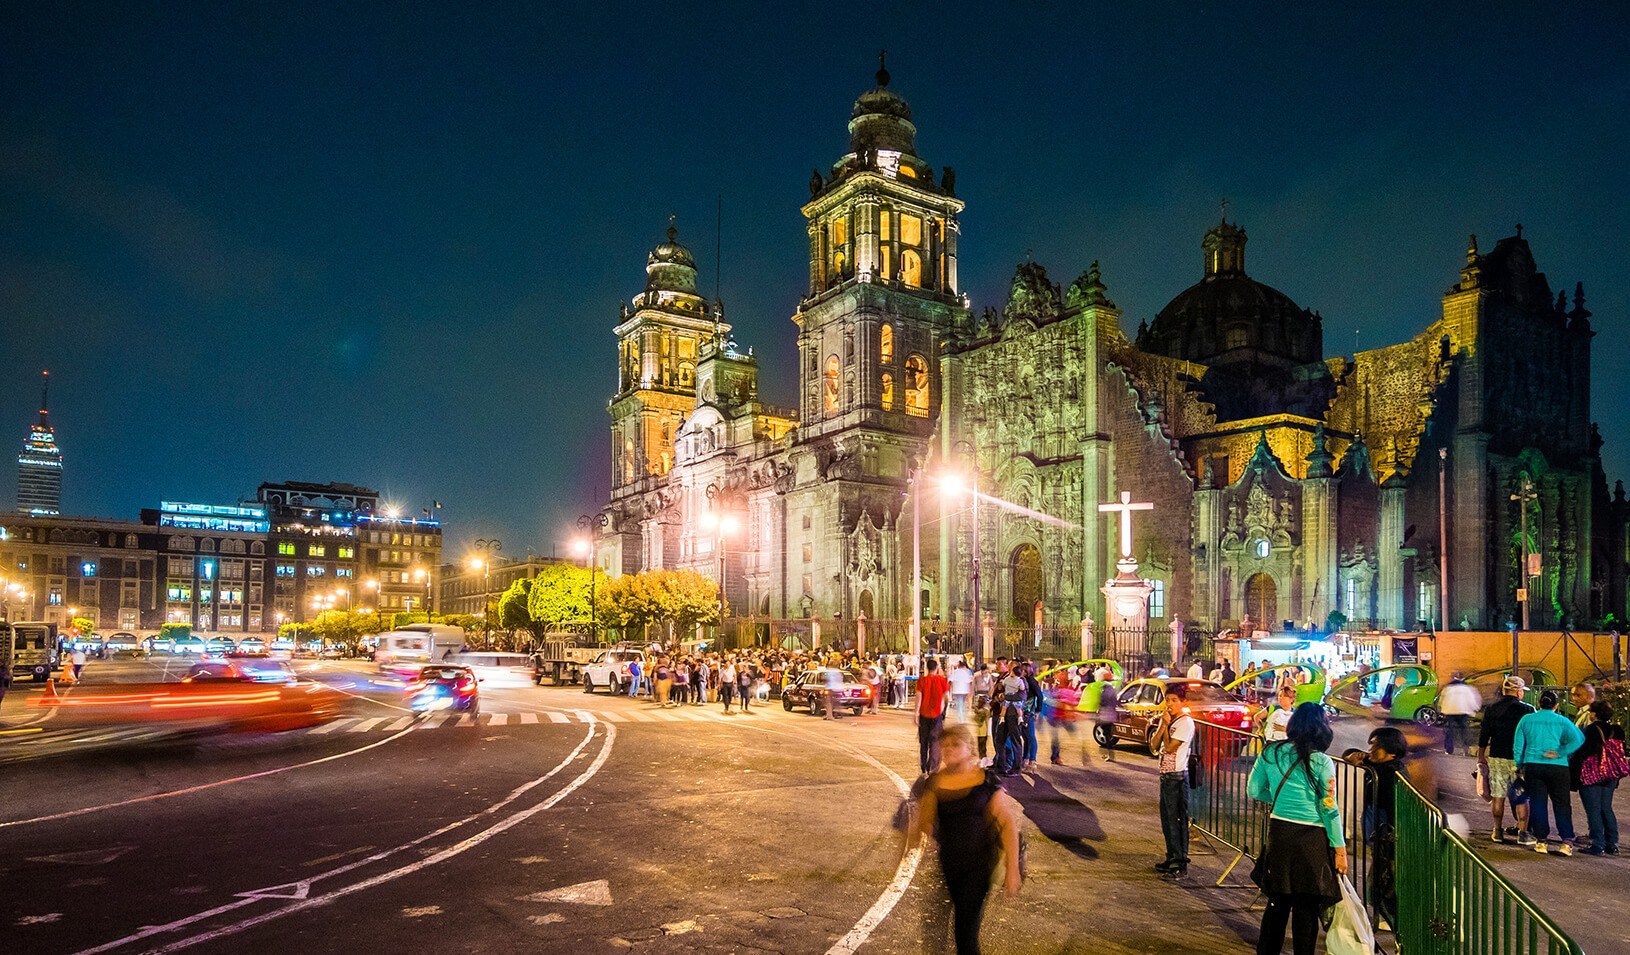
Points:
(458, 848)
(71, 813)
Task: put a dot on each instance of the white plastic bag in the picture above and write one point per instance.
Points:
(1349, 932)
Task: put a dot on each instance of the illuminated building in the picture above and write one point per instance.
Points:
(1288, 485)
(39, 466)
(211, 569)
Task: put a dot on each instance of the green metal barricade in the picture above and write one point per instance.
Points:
(1452, 902)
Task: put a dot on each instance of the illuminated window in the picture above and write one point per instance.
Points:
(87, 569)
(809, 585)
(907, 171)
(809, 553)
(829, 387)
(687, 374)
(687, 348)
(911, 269)
(885, 221)
(911, 230)
(1234, 338)
(316, 570)
(286, 548)
(885, 345)
(888, 392)
(917, 386)
(317, 550)
(285, 570)
(1157, 599)
(840, 232)
(348, 552)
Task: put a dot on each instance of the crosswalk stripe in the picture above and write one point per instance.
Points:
(498, 719)
(333, 726)
(400, 724)
(557, 717)
(612, 717)
(366, 725)
(528, 718)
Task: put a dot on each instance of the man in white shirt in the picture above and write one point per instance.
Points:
(1174, 739)
(1197, 671)
(1458, 702)
(961, 688)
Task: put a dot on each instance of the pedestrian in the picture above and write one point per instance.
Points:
(1228, 674)
(78, 659)
(961, 679)
(1032, 712)
(665, 681)
(1066, 698)
(901, 691)
(1305, 848)
(1386, 759)
(1458, 702)
(634, 672)
(699, 679)
(1596, 768)
(1544, 741)
(890, 671)
(1276, 721)
(932, 692)
(681, 688)
(1495, 741)
(874, 689)
(727, 683)
(745, 675)
(981, 725)
(1108, 713)
(1174, 738)
(1009, 696)
(1582, 695)
(975, 826)
(1197, 670)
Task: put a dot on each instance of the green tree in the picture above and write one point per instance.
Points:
(559, 596)
(687, 598)
(684, 597)
(83, 626)
(297, 633)
(174, 631)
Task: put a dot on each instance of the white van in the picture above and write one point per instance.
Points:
(496, 669)
(406, 649)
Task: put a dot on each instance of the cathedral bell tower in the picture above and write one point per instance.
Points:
(660, 335)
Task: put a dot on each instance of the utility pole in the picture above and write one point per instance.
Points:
(915, 631)
(1523, 497)
(1443, 540)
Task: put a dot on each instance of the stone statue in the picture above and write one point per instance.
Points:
(816, 183)
(948, 181)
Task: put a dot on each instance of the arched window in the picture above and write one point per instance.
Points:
(885, 345)
(888, 390)
(829, 386)
(917, 386)
(911, 269)
(687, 374)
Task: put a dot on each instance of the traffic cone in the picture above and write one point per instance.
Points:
(50, 695)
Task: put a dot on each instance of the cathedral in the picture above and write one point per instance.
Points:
(1387, 489)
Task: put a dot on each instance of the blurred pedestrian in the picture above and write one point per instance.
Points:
(975, 826)
(1032, 712)
(1544, 741)
(664, 681)
(745, 677)
(78, 659)
(933, 691)
(981, 725)
(681, 687)
(1008, 700)
(1065, 700)
(1108, 713)
(961, 679)
(1305, 848)
(1597, 767)
(1459, 701)
(727, 683)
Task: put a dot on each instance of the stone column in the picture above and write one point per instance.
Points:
(1206, 579)
(1320, 547)
(1390, 541)
(1469, 550)
(952, 230)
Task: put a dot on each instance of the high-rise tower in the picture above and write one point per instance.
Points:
(39, 466)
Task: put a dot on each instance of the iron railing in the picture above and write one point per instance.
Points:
(1452, 902)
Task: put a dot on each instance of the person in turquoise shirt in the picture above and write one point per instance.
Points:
(1544, 741)
(1305, 849)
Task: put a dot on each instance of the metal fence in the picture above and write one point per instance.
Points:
(1452, 902)
(1221, 808)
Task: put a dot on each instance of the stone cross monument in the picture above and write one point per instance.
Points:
(1126, 595)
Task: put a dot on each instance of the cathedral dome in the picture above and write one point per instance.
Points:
(670, 267)
(881, 120)
(1227, 316)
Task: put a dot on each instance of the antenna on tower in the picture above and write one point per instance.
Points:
(718, 246)
(45, 393)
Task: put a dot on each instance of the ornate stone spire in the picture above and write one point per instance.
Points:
(1471, 274)
(1320, 460)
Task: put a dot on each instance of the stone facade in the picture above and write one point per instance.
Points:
(1287, 485)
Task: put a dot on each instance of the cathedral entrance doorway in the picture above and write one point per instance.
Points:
(866, 604)
(1028, 586)
(1262, 600)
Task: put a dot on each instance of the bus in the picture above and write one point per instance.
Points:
(33, 649)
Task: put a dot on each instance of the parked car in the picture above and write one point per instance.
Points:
(610, 670)
(1140, 710)
(809, 689)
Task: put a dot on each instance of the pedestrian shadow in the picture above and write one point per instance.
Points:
(1060, 817)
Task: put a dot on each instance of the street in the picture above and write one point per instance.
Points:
(557, 820)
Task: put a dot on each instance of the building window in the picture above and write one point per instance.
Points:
(911, 269)
(1352, 598)
(885, 345)
(917, 386)
(55, 597)
(1259, 549)
(345, 572)
(206, 570)
(888, 390)
(285, 570)
(1423, 601)
(809, 585)
(809, 553)
(1157, 599)
(911, 229)
(317, 550)
(807, 522)
(687, 374)
(829, 385)
(87, 569)
(347, 553)
(1234, 338)
(316, 570)
(286, 548)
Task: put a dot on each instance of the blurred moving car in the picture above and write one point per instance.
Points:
(214, 695)
(445, 687)
(251, 645)
(809, 689)
(1139, 710)
(497, 669)
(1407, 691)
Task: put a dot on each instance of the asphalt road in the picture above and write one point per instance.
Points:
(556, 821)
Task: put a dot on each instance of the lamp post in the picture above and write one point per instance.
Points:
(978, 628)
(722, 525)
(487, 547)
(914, 633)
(588, 523)
(1524, 496)
(420, 574)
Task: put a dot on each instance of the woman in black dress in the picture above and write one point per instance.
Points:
(975, 825)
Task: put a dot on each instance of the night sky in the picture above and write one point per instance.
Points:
(315, 241)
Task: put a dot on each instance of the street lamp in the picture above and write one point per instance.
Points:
(487, 548)
(585, 547)
(953, 484)
(723, 525)
(1524, 496)
(420, 574)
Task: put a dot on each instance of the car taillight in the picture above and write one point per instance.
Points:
(415, 687)
(466, 686)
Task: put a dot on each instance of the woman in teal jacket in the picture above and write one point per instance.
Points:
(1305, 849)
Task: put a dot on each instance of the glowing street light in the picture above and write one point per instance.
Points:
(584, 546)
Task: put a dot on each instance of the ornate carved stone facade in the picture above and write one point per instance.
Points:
(1286, 485)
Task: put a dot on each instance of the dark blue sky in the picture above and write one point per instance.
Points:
(366, 243)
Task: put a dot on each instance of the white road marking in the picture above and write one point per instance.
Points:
(420, 911)
(497, 828)
(557, 717)
(69, 814)
(498, 719)
(39, 919)
(528, 718)
(88, 857)
(612, 717)
(332, 726)
(366, 725)
(400, 724)
(597, 892)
